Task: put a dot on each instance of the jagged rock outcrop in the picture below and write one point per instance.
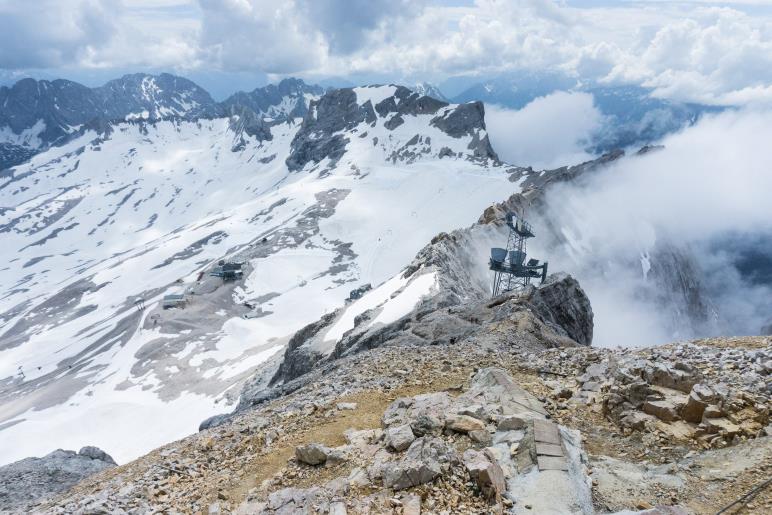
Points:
(32, 480)
(322, 135)
(298, 359)
(558, 317)
(563, 303)
(243, 121)
(317, 139)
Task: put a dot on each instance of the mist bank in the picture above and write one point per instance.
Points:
(673, 243)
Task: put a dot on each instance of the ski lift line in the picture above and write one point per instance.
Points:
(54, 361)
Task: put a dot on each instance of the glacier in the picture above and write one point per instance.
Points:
(146, 208)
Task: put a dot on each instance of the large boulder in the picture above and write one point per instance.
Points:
(426, 459)
(424, 413)
(486, 472)
(699, 399)
(399, 438)
(564, 305)
(312, 453)
(31, 480)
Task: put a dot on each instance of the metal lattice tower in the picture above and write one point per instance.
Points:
(510, 271)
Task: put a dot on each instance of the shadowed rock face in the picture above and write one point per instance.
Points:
(317, 139)
(562, 302)
(338, 111)
(297, 362)
(31, 480)
(245, 121)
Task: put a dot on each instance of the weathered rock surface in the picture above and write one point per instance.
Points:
(518, 392)
(399, 438)
(32, 480)
(320, 137)
(426, 458)
(312, 454)
(486, 472)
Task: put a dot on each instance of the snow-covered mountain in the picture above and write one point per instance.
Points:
(429, 90)
(36, 114)
(103, 221)
(122, 214)
(287, 99)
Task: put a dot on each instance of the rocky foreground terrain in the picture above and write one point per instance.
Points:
(514, 418)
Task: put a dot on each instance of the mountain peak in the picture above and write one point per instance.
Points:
(286, 100)
(387, 115)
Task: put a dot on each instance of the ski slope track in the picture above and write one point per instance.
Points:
(314, 208)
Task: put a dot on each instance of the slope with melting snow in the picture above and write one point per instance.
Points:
(92, 227)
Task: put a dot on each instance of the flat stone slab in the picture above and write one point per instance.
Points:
(546, 432)
(552, 463)
(548, 449)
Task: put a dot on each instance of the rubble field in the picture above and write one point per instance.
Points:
(470, 428)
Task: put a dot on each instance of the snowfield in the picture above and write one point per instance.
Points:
(92, 228)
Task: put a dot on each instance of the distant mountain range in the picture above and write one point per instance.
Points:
(37, 114)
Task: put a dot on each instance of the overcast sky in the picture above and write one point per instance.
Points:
(699, 50)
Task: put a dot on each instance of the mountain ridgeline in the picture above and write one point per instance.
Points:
(35, 115)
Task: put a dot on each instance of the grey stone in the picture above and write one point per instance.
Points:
(411, 505)
(312, 453)
(481, 436)
(564, 304)
(663, 410)
(486, 472)
(427, 458)
(552, 463)
(399, 438)
(32, 480)
(548, 449)
(511, 422)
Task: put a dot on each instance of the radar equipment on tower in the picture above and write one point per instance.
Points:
(510, 270)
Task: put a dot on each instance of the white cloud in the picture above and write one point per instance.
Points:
(51, 33)
(270, 35)
(547, 133)
(708, 186)
(697, 51)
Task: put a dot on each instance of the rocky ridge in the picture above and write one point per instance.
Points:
(34, 479)
(35, 115)
(331, 119)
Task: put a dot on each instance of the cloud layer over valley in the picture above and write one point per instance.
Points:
(706, 195)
